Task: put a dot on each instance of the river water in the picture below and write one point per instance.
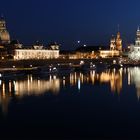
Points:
(79, 105)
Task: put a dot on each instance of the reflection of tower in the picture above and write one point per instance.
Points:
(119, 81)
(138, 37)
(112, 43)
(119, 42)
(134, 79)
(4, 34)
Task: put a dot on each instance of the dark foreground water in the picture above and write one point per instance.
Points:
(98, 104)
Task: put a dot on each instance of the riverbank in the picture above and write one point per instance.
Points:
(39, 63)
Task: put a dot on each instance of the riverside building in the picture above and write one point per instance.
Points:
(37, 52)
(115, 47)
(4, 34)
(14, 50)
(134, 53)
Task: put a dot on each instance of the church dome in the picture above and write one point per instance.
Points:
(4, 36)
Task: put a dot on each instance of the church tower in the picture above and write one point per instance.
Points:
(138, 37)
(112, 43)
(118, 42)
(4, 34)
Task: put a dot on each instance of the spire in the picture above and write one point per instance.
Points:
(2, 17)
(118, 34)
(112, 36)
(137, 42)
(138, 29)
(118, 28)
(119, 40)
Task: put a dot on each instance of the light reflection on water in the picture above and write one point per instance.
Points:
(134, 79)
(27, 87)
(53, 84)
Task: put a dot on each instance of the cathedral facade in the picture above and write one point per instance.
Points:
(115, 47)
(116, 43)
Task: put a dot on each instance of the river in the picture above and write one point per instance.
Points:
(77, 105)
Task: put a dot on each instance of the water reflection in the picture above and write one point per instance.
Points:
(37, 86)
(113, 77)
(134, 78)
(26, 87)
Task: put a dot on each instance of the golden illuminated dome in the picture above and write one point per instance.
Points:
(4, 36)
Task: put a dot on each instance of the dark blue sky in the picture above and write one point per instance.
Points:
(66, 21)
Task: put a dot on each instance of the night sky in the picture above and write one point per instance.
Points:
(67, 21)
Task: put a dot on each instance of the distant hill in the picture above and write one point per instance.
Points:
(90, 48)
(84, 49)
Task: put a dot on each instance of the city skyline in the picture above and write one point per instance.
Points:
(66, 22)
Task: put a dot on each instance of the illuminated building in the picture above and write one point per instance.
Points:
(13, 49)
(4, 34)
(4, 39)
(37, 52)
(115, 48)
(112, 43)
(109, 53)
(84, 52)
(118, 42)
(135, 49)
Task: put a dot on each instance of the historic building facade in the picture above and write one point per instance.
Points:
(15, 50)
(118, 42)
(37, 52)
(109, 53)
(135, 48)
(115, 47)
